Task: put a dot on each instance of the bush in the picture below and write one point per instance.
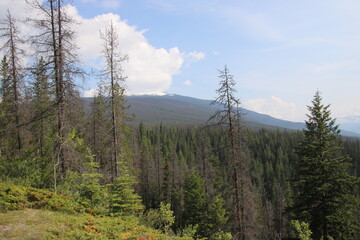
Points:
(162, 218)
(17, 197)
(302, 229)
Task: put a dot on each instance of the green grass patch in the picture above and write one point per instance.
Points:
(45, 224)
(30, 213)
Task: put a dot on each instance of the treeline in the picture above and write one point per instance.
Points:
(173, 157)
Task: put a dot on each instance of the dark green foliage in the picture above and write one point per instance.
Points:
(8, 138)
(85, 186)
(196, 204)
(161, 218)
(217, 217)
(123, 199)
(324, 188)
(27, 169)
(42, 108)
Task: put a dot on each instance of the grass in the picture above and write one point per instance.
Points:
(30, 213)
(46, 224)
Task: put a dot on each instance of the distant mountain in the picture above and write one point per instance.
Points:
(180, 109)
(350, 123)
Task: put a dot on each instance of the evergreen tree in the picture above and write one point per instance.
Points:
(324, 196)
(99, 129)
(217, 214)
(42, 102)
(196, 204)
(7, 120)
(123, 199)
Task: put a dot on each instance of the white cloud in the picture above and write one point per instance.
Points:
(187, 83)
(16, 7)
(195, 56)
(90, 92)
(18, 10)
(149, 69)
(275, 107)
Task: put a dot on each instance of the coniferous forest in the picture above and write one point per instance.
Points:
(110, 178)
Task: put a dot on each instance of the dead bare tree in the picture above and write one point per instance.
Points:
(230, 117)
(114, 79)
(54, 41)
(11, 47)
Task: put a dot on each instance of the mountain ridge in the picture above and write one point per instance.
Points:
(189, 110)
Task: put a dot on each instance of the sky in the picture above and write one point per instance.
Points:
(280, 52)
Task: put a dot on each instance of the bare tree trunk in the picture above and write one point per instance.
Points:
(241, 189)
(11, 48)
(94, 128)
(113, 74)
(61, 100)
(113, 113)
(15, 85)
(56, 32)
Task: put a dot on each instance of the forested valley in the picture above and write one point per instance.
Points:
(110, 178)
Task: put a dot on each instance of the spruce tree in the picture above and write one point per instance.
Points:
(196, 203)
(7, 138)
(41, 108)
(324, 186)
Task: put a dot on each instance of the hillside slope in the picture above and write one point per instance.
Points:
(181, 109)
(31, 213)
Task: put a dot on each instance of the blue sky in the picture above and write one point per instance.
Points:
(280, 52)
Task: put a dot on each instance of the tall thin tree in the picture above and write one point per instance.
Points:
(12, 49)
(54, 40)
(114, 80)
(229, 116)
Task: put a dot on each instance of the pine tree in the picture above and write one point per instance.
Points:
(41, 107)
(196, 204)
(7, 120)
(324, 187)
(99, 129)
(123, 200)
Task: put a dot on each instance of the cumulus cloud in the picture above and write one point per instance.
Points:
(18, 10)
(275, 107)
(149, 70)
(187, 83)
